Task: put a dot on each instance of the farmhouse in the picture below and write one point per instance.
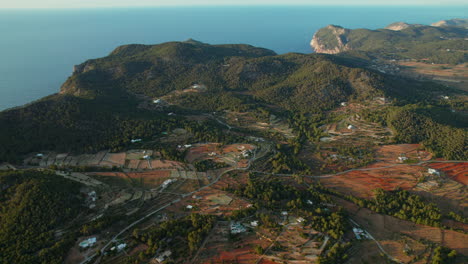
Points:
(433, 172)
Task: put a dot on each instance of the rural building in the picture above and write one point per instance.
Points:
(135, 140)
(163, 256)
(359, 233)
(402, 158)
(351, 127)
(310, 202)
(88, 242)
(237, 228)
(167, 182)
(254, 223)
(189, 207)
(433, 172)
(300, 220)
(121, 246)
(343, 104)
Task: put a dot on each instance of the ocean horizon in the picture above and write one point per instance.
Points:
(39, 47)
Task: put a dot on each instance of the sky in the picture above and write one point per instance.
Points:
(139, 3)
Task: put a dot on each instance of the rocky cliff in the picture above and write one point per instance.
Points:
(437, 44)
(330, 39)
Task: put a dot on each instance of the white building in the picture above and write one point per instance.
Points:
(359, 233)
(433, 171)
(121, 246)
(310, 202)
(300, 220)
(351, 127)
(190, 207)
(402, 159)
(254, 223)
(88, 242)
(167, 182)
(163, 256)
(343, 104)
(237, 228)
(135, 140)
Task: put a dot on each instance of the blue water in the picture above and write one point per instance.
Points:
(38, 48)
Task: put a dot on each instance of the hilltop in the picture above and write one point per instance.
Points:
(108, 101)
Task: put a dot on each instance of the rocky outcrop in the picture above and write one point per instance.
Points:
(397, 26)
(82, 68)
(330, 39)
(457, 22)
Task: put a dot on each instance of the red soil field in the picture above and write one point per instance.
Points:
(455, 171)
(361, 183)
(390, 153)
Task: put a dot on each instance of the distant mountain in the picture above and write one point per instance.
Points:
(438, 44)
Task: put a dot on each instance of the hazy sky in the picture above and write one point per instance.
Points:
(124, 3)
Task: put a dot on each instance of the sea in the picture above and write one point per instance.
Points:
(38, 48)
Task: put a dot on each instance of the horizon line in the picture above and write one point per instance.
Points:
(237, 5)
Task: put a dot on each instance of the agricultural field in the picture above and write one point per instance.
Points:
(220, 248)
(451, 75)
(394, 234)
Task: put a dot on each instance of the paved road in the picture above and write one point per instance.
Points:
(364, 169)
(377, 242)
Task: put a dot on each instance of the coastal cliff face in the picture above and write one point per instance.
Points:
(330, 40)
(444, 44)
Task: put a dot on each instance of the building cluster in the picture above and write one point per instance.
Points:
(119, 247)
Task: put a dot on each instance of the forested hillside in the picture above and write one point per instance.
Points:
(99, 105)
(32, 205)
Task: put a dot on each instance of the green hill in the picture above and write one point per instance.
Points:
(100, 105)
